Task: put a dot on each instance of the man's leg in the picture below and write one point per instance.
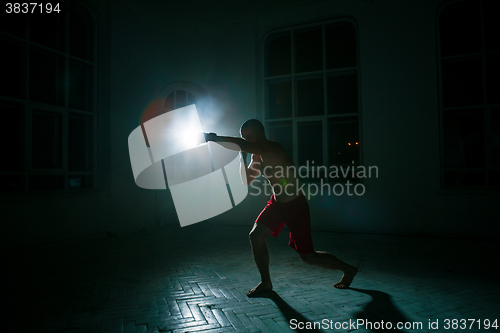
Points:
(326, 260)
(258, 237)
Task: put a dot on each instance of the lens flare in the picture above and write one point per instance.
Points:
(191, 138)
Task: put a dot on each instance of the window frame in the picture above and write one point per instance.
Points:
(325, 73)
(64, 110)
(484, 106)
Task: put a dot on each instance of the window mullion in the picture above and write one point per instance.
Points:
(66, 83)
(325, 108)
(27, 74)
(65, 118)
(29, 121)
(94, 135)
(325, 140)
(27, 112)
(292, 46)
(325, 99)
(294, 119)
(440, 104)
(95, 119)
(27, 138)
(360, 113)
(295, 141)
(65, 147)
(485, 100)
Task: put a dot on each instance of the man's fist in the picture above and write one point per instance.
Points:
(210, 137)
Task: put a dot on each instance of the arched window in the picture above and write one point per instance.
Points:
(179, 94)
(178, 99)
(469, 71)
(311, 93)
(47, 99)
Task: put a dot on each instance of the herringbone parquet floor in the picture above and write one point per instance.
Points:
(194, 279)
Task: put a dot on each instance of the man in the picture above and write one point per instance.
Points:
(286, 206)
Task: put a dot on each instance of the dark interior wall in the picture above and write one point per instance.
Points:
(400, 115)
(144, 46)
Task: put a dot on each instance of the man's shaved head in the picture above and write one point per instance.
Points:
(252, 130)
(254, 124)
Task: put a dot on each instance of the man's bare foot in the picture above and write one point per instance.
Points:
(346, 280)
(261, 287)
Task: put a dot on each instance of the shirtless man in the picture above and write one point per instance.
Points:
(286, 206)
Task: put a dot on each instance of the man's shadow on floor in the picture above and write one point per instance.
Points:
(379, 308)
(287, 311)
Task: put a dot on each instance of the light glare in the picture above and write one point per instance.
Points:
(191, 138)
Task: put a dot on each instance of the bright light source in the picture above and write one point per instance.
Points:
(349, 143)
(191, 138)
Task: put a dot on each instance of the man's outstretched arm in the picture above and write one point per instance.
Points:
(246, 146)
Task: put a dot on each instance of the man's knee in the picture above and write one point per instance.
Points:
(259, 233)
(255, 237)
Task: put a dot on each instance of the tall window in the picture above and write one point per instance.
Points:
(311, 93)
(469, 58)
(47, 100)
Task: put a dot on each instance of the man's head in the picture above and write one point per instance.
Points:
(252, 130)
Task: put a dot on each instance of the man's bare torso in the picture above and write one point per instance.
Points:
(278, 168)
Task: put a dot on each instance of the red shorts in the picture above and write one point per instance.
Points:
(295, 214)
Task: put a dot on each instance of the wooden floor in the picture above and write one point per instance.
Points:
(194, 279)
